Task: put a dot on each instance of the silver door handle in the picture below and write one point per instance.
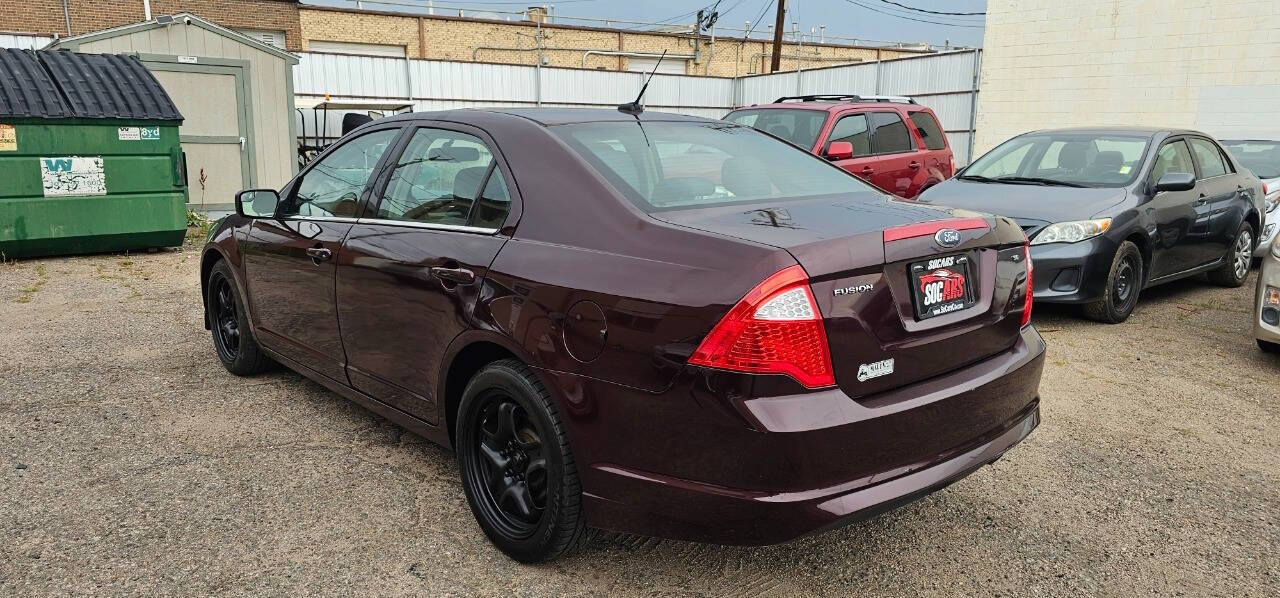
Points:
(319, 254)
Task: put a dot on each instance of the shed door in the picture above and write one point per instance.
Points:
(214, 133)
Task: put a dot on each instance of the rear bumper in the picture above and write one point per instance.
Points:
(1072, 272)
(808, 462)
(1268, 234)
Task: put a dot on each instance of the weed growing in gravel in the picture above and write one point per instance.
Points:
(26, 294)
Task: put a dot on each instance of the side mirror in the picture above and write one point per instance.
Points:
(257, 203)
(1176, 181)
(839, 150)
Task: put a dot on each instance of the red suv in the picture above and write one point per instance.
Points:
(890, 141)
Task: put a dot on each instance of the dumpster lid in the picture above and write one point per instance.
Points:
(64, 84)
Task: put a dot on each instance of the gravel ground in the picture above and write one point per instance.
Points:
(133, 463)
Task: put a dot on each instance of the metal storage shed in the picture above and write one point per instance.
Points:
(235, 92)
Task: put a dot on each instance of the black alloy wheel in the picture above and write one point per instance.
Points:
(232, 339)
(225, 322)
(517, 470)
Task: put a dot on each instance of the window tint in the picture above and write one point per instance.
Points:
(1261, 157)
(1173, 157)
(437, 180)
(332, 187)
(889, 134)
(799, 126)
(929, 129)
(854, 130)
(666, 165)
(494, 203)
(1209, 157)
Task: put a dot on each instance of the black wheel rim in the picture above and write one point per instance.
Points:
(226, 324)
(508, 466)
(1126, 283)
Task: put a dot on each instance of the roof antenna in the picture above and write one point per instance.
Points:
(636, 108)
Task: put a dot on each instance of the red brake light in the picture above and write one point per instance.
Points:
(1026, 305)
(775, 329)
(1264, 190)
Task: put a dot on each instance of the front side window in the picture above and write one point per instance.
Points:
(1210, 159)
(667, 166)
(854, 129)
(929, 129)
(333, 186)
(889, 135)
(799, 126)
(1173, 157)
(1066, 158)
(439, 178)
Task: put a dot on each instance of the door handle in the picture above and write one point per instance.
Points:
(868, 170)
(1203, 200)
(319, 254)
(455, 275)
(914, 165)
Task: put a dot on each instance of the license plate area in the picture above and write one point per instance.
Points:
(941, 285)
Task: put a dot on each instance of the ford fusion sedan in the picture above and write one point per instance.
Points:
(653, 324)
(1261, 155)
(1113, 211)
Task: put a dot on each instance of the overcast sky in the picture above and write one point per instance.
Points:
(881, 20)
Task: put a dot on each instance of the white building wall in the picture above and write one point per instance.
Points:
(1205, 64)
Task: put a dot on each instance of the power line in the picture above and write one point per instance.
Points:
(767, 4)
(935, 12)
(873, 9)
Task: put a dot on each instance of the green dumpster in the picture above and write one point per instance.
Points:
(90, 159)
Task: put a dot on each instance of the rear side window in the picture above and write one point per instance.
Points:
(853, 129)
(798, 126)
(929, 129)
(889, 134)
(438, 179)
(1210, 159)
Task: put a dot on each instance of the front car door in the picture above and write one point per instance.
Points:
(1224, 189)
(1178, 221)
(410, 270)
(289, 259)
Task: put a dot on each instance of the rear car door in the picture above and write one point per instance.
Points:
(884, 152)
(289, 260)
(936, 160)
(1223, 189)
(410, 270)
(1180, 218)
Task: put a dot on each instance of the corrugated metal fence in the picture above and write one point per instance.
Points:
(24, 42)
(945, 82)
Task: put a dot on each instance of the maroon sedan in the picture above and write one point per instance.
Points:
(654, 324)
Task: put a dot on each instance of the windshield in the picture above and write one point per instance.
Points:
(665, 165)
(1077, 159)
(1261, 157)
(799, 126)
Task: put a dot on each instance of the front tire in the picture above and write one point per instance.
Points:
(1124, 283)
(517, 471)
(1233, 273)
(229, 322)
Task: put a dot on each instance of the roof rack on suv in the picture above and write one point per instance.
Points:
(845, 98)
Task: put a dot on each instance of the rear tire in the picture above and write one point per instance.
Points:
(1268, 347)
(517, 471)
(233, 340)
(1236, 269)
(1124, 284)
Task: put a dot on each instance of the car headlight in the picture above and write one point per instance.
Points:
(1271, 202)
(1071, 232)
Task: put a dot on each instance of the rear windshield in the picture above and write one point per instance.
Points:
(800, 127)
(1261, 157)
(1088, 159)
(667, 166)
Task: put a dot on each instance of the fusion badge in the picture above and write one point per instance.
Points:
(876, 369)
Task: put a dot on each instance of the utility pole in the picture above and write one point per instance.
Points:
(778, 25)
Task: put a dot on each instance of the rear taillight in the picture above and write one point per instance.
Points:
(1026, 303)
(952, 159)
(1264, 190)
(774, 329)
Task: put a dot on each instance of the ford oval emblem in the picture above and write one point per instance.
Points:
(947, 237)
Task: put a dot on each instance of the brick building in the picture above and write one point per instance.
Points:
(298, 27)
(261, 19)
